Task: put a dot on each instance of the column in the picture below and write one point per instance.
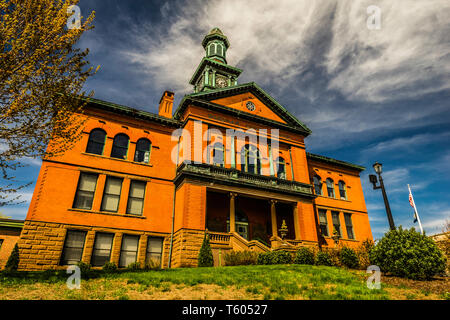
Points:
(296, 222)
(232, 213)
(273, 214)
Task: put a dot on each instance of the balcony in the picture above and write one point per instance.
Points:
(229, 176)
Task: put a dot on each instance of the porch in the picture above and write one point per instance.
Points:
(241, 222)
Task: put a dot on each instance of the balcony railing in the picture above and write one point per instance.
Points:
(234, 176)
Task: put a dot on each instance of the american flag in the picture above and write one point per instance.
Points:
(411, 202)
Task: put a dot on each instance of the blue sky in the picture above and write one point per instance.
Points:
(367, 95)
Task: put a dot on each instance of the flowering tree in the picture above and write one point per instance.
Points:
(42, 75)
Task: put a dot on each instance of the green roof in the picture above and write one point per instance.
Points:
(258, 92)
(215, 63)
(121, 109)
(10, 223)
(334, 161)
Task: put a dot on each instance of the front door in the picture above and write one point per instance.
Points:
(242, 229)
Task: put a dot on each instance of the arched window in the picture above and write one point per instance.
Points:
(142, 154)
(120, 146)
(317, 185)
(342, 190)
(218, 154)
(96, 141)
(330, 187)
(250, 159)
(281, 168)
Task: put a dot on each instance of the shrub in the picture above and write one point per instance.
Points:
(363, 253)
(135, 266)
(85, 268)
(13, 261)
(205, 256)
(348, 258)
(239, 258)
(109, 267)
(408, 254)
(304, 256)
(323, 259)
(275, 257)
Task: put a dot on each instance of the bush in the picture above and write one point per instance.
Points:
(85, 268)
(304, 256)
(135, 266)
(205, 256)
(109, 267)
(240, 258)
(348, 258)
(363, 253)
(275, 257)
(408, 254)
(323, 259)
(13, 261)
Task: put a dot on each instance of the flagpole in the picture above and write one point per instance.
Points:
(415, 210)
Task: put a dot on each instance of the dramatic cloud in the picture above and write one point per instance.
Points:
(275, 42)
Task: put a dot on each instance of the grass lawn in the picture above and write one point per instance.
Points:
(241, 282)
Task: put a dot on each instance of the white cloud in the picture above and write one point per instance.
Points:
(276, 41)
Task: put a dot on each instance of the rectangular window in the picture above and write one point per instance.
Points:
(154, 251)
(111, 195)
(102, 249)
(129, 250)
(136, 197)
(349, 225)
(73, 247)
(323, 222)
(336, 222)
(85, 191)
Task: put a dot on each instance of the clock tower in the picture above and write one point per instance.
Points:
(213, 71)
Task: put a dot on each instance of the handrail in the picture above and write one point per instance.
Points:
(232, 174)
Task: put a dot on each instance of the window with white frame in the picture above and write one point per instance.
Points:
(323, 223)
(349, 225)
(111, 194)
(154, 251)
(85, 191)
(136, 197)
(101, 253)
(129, 250)
(336, 223)
(73, 247)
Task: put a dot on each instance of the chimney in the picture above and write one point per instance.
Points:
(166, 104)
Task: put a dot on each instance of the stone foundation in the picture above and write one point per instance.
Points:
(41, 244)
(186, 247)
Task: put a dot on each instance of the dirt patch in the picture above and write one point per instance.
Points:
(197, 292)
(438, 286)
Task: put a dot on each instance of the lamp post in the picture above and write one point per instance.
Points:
(373, 179)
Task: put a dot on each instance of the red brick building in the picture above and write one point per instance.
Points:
(135, 189)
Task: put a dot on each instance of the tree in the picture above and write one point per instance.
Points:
(42, 75)
(205, 256)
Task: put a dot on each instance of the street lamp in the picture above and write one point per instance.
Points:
(373, 179)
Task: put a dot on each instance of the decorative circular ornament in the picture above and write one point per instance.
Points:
(250, 106)
(221, 82)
